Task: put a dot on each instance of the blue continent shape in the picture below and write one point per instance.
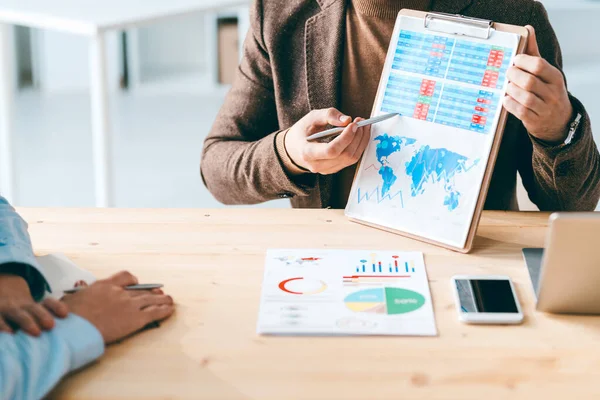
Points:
(388, 177)
(451, 200)
(387, 146)
(435, 165)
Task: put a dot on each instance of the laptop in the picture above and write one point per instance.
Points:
(566, 275)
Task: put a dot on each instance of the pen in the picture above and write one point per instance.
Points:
(147, 286)
(337, 131)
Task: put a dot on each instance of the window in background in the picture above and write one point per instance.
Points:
(24, 57)
(228, 38)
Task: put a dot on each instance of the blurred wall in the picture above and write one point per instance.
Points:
(174, 45)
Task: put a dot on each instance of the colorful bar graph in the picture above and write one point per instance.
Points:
(363, 262)
(378, 269)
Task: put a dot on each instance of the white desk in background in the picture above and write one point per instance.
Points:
(90, 18)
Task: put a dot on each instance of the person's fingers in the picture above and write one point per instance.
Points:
(538, 67)
(337, 146)
(20, 318)
(363, 143)
(138, 293)
(518, 110)
(153, 300)
(328, 116)
(158, 312)
(4, 327)
(123, 279)
(532, 45)
(529, 82)
(352, 148)
(527, 99)
(327, 151)
(56, 307)
(41, 315)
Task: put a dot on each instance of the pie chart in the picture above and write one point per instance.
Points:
(390, 301)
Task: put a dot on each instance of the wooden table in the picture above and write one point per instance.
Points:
(212, 262)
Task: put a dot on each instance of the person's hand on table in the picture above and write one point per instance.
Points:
(326, 158)
(537, 95)
(18, 310)
(116, 312)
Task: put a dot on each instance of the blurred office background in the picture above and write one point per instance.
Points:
(167, 82)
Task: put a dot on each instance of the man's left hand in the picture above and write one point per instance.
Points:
(537, 95)
(18, 310)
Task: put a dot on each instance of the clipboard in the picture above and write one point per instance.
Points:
(457, 26)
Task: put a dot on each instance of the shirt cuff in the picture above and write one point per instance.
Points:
(288, 164)
(84, 340)
(19, 260)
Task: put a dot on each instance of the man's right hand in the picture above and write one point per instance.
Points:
(116, 312)
(326, 158)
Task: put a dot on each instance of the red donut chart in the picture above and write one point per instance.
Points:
(283, 287)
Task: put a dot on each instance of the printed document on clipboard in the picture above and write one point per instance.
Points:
(425, 174)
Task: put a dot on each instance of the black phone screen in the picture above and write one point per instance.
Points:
(486, 296)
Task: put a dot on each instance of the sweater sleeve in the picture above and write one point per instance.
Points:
(16, 252)
(240, 162)
(563, 177)
(31, 366)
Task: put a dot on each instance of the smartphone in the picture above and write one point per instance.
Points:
(486, 299)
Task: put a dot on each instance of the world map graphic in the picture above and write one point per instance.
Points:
(427, 166)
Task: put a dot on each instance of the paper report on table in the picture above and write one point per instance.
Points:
(340, 292)
(422, 172)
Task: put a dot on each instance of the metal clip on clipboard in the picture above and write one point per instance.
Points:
(455, 24)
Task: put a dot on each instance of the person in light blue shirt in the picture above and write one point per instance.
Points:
(42, 342)
(22, 280)
(31, 366)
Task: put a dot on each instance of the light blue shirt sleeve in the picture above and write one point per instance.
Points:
(16, 250)
(31, 366)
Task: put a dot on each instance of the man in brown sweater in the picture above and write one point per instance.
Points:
(312, 63)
